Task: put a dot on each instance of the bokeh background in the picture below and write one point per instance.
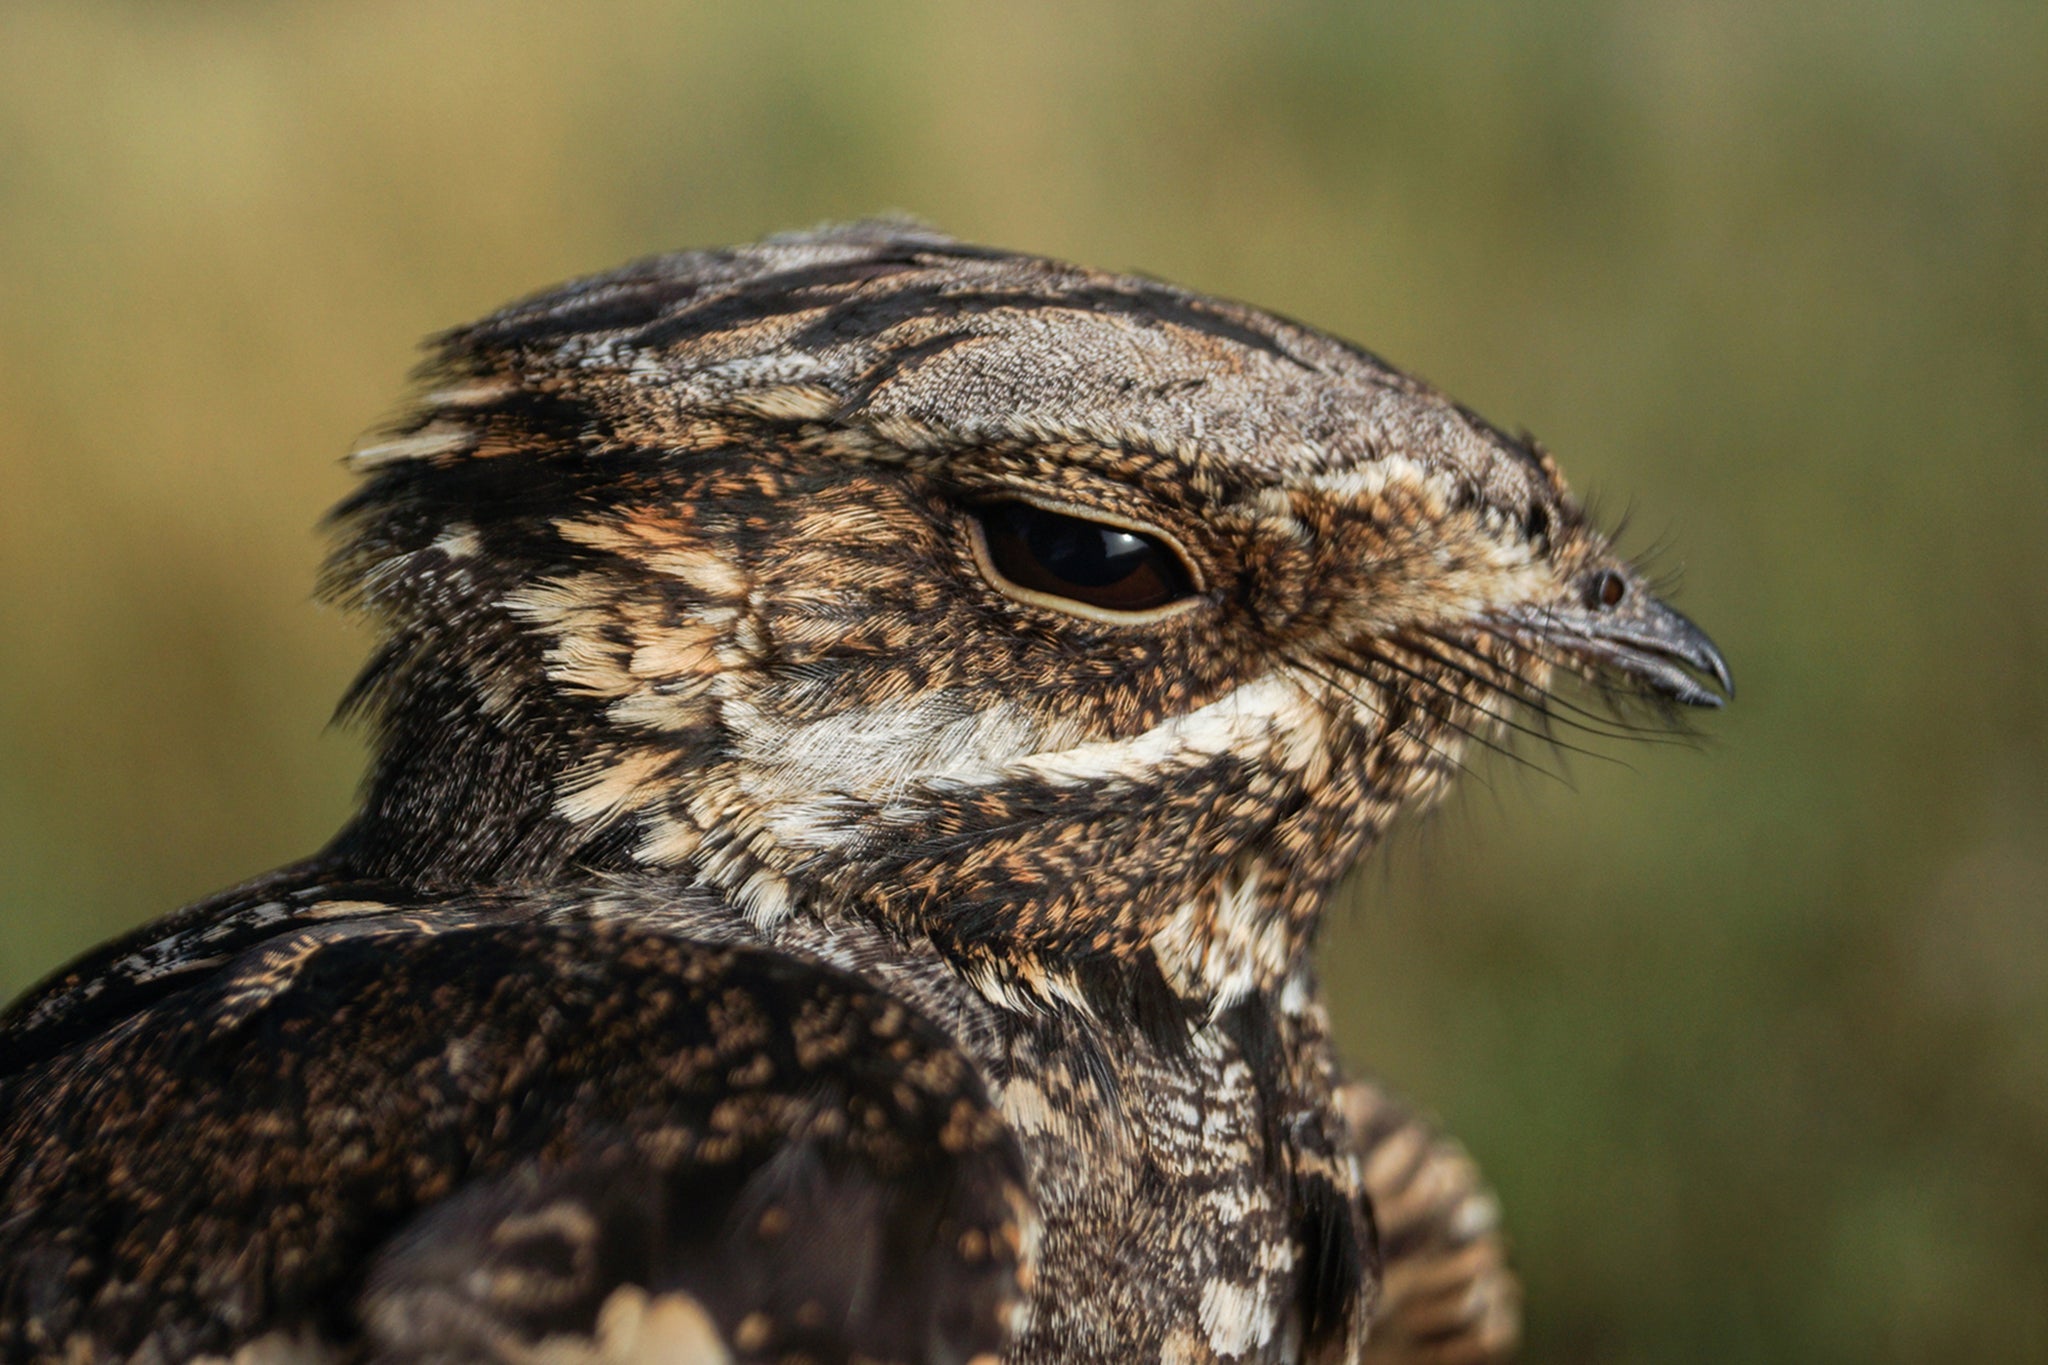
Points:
(1753, 1037)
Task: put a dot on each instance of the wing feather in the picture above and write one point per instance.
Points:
(540, 1138)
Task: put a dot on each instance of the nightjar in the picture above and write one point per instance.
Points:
(865, 729)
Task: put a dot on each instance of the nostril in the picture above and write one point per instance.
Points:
(1606, 589)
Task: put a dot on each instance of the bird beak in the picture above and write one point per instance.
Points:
(1641, 639)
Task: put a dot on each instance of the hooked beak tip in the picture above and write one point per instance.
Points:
(1648, 642)
(1679, 640)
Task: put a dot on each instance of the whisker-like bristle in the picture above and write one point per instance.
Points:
(1333, 681)
(1545, 701)
(1498, 718)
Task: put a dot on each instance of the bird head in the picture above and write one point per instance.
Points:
(1071, 621)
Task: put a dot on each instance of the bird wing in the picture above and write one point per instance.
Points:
(1447, 1293)
(460, 1135)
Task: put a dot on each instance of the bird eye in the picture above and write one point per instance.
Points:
(1605, 589)
(1036, 554)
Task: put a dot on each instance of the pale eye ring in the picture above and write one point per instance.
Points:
(1103, 570)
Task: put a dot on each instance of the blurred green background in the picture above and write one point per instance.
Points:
(1753, 1039)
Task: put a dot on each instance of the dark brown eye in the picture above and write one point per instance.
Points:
(1605, 589)
(1094, 563)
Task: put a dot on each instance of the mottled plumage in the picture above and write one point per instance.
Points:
(866, 727)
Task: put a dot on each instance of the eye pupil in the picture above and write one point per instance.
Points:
(1094, 563)
(1081, 553)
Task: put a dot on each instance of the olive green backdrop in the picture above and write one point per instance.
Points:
(1753, 1037)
